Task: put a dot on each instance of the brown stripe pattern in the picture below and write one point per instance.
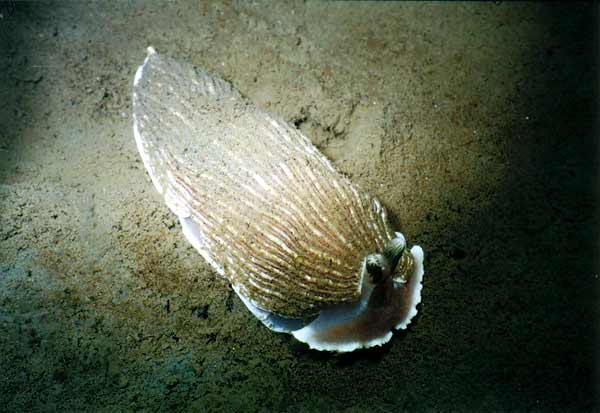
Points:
(276, 218)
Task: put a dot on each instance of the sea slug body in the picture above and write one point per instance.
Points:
(307, 251)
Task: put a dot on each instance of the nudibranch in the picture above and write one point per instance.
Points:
(307, 251)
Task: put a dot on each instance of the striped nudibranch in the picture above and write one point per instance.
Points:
(307, 251)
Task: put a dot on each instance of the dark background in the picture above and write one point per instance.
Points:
(475, 124)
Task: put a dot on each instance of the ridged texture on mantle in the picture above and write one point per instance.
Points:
(274, 216)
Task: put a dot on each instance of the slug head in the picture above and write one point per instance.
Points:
(380, 267)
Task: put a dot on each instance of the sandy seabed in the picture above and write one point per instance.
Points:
(473, 123)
